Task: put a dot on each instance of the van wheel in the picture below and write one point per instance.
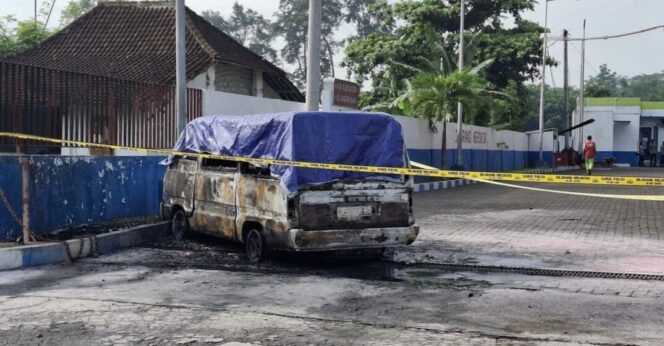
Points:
(179, 225)
(256, 246)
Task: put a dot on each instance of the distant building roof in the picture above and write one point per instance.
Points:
(136, 41)
(623, 102)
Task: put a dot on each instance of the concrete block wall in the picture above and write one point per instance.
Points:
(70, 191)
(227, 78)
(484, 149)
(234, 79)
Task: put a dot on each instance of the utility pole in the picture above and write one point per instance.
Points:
(568, 121)
(582, 85)
(313, 54)
(459, 162)
(35, 12)
(180, 66)
(541, 105)
(48, 17)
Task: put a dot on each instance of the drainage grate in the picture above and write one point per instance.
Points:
(548, 272)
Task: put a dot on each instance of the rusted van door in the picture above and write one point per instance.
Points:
(214, 199)
(262, 201)
(179, 185)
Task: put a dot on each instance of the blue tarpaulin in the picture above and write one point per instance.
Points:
(352, 138)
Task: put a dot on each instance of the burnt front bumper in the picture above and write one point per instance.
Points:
(342, 239)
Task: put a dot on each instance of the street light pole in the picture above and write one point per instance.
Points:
(541, 105)
(568, 121)
(459, 160)
(180, 66)
(313, 54)
(582, 84)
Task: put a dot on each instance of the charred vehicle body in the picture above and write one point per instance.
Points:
(291, 208)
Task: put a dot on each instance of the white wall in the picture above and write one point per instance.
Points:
(614, 129)
(418, 136)
(534, 140)
(602, 129)
(416, 133)
(653, 113)
(511, 140)
(626, 135)
(220, 103)
(204, 80)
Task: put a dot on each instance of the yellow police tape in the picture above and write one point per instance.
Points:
(425, 171)
(582, 194)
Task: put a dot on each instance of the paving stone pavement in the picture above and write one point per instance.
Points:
(205, 293)
(90, 303)
(491, 224)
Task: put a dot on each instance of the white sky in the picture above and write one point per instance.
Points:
(628, 56)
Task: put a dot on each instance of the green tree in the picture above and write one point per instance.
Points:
(554, 106)
(506, 113)
(368, 16)
(248, 27)
(437, 87)
(292, 25)
(75, 9)
(19, 35)
(434, 96)
(498, 32)
(649, 87)
(606, 83)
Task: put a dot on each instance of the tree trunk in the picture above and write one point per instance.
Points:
(443, 146)
(331, 54)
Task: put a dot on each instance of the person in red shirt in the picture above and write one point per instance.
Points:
(589, 153)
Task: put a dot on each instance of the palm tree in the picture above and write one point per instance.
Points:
(434, 97)
(438, 85)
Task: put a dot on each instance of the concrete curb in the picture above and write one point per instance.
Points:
(450, 184)
(52, 253)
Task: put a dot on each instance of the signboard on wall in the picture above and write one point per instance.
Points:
(346, 94)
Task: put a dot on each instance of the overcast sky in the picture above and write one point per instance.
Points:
(629, 56)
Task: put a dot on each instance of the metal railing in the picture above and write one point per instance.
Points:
(73, 106)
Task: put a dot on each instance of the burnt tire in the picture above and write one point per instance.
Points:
(255, 246)
(179, 225)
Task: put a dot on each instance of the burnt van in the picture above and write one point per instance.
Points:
(284, 208)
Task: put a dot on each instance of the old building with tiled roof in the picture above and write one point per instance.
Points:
(136, 41)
